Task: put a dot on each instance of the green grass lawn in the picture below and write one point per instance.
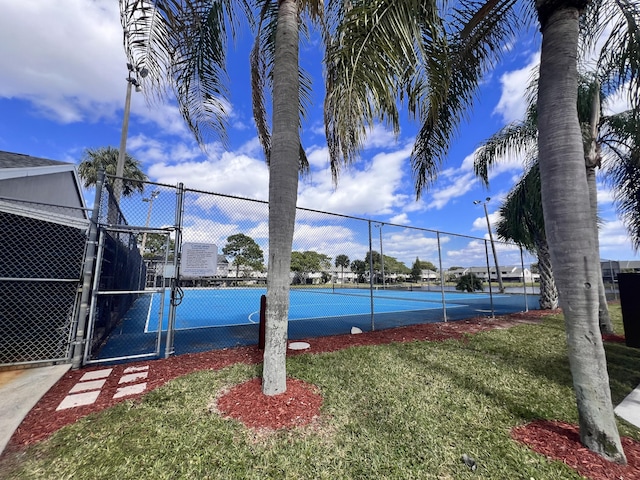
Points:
(391, 411)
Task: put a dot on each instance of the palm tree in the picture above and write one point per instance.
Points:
(521, 221)
(106, 158)
(343, 262)
(183, 46)
(618, 146)
(438, 71)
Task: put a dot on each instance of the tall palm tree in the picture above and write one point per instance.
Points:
(343, 262)
(604, 145)
(187, 40)
(106, 158)
(439, 71)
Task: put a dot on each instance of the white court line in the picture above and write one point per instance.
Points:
(146, 323)
(251, 315)
(368, 313)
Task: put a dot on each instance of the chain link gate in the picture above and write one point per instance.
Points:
(126, 288)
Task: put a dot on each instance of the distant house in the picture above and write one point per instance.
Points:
(43, 224)
(611, 268)
(509, 273)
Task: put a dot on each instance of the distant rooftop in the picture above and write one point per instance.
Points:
(20, 160)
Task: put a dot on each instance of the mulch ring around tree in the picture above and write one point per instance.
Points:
(300, 404)
(561, 441)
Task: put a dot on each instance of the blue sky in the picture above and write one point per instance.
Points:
(62, 90)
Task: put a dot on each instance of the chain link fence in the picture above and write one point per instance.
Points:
(174, 270)
(194, 271)
(41, 253)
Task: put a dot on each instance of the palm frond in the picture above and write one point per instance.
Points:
(183, 45)
(521, 217)
(620, 138)
(261, 60)
(259, 76)
(619, 62)
(370, 49)
(514, 139)
(478, 32)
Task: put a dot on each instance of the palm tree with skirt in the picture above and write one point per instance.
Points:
(435, 59)
(521, 221)
(343, 262)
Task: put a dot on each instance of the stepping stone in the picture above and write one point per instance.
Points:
(133, 377)
(130, 390)
(84, 386)
(104, 373)
(136, 369)
(78, 400)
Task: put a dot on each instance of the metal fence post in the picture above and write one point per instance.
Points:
(524, 282)
(87, 271)
(486, 250)
(176, 292)
(444, 304)
(373, 325)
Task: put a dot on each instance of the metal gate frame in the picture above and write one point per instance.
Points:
(96, 292)
(86, 311)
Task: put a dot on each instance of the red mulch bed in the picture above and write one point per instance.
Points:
(561, 441)
(300, 404)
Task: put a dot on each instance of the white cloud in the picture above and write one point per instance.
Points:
(368, 188)
(64, 56)
(400, 219)
(513, 103)
(456, 187)
(617, 102)
(614, 238)
(380, 137)
(227, 173)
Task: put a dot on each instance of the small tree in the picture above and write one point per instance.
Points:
(303, 263)
(245, 252)
(416, 270)
(106, 158)
(359, 267)
(426, 265)
(155, 246)
(469, 282)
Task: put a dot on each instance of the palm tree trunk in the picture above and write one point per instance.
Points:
(604, 319)
(283, 192)
(570, 232)
(592, 160)
(548, 290)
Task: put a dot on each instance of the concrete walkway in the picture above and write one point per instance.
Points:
(629, 408)
(20, 390)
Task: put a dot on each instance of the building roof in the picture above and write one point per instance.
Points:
(20, 160)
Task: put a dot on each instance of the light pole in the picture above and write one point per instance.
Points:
(493, 245)
(151, 198)
(139, 72)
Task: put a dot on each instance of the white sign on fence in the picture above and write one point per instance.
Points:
(199, 260)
